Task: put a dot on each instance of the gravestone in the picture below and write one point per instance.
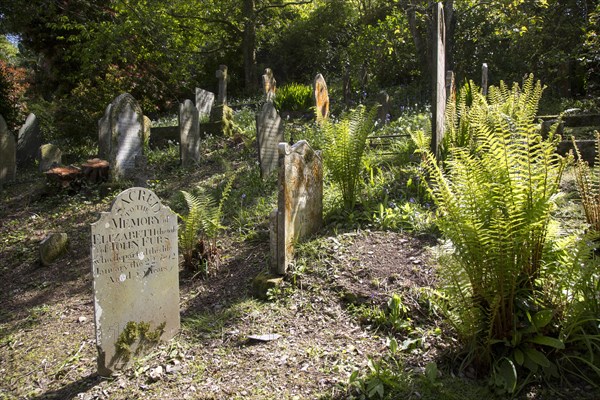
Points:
(50, 156)
(147, 131)
(450, 87)
(135, 278)
(204, 103)
(104, 134)
(221, 74)
(484, 79)
(126, 122)
(269, 84)
(300, 201)
(8, 154)
(269, 133)
(321, 97)
(439, 79)
(189, 134)
(383, 112)
(53, 247)
(29, 140)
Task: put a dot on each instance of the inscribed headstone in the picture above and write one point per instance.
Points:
(135, 278)
(50, 157)
(29, 140)
(269, 84)
(189, 133)
(269, 133)
(126, 121)
(300, 201)
(383, 113)
(8, 154)
(204, 102)
(221, 74)
(321, 96)
(104, 134)
(439, 78)
(484, 79)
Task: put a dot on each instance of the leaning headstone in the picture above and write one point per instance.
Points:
(50, 156)
(135, 278)
(29, 140)
(484, 79)
(269, 133)
(439, 79)
(127, 125)
(53, 247)
(8, 154)
(300, 201)
(189, 134)
(321, 96)
(104, 133)
(204, 103)
(221, 74)
(269, 84)
(147, 131)
(383, 113)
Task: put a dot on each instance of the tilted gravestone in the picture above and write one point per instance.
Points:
(269, 133)
(135, 278)
(221, 74)
(50, 156)
(29, 140)
(204, 103)
(300, 201)
(104, 134)
(147, 131)
(321, 96)
(8, 154)
(439, 79)
(269, 84)
(127, 136)
(189, 134)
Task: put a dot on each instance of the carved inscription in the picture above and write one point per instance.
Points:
(135, 273)
(269, 133)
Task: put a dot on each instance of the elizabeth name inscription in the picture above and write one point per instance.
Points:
(135, 271)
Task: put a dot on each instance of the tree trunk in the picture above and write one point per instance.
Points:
(249, 45)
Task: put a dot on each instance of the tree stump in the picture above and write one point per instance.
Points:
(64, 177)
(95, 170)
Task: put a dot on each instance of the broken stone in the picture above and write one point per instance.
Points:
(53, 247)
(269, 337)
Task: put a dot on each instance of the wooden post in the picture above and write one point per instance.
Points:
(438, 105)
(484, 79)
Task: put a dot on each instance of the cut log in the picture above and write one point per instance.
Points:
(95, 170)
(63, 176)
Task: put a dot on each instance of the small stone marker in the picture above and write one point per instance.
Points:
(269, 133)
(8, 154)
(450, 87)
(321, 96)
(221, 74)
(269, 84)
(204, 103)
(189, 134)
(104, 133)
(53, 247)
(484, 79)
(29, 140)
(300, 201)
(126, 121)
(135, 278)
(439, 79)
(383, 113)
(147, 131)
(50, 157)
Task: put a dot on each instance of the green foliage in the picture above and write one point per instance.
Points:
(588, 184)
(344, 147)
(294, 97)
(201, 227)
(494, 205)
(12, 89)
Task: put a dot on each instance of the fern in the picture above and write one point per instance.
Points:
(345, 143)
(494, 199)
(588, 184)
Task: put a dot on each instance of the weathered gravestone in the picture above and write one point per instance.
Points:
(135, 278)
(53, 247)
(484, 79)
(321, 96)
(204, 103)
(8, 154)
(189, 134)
(147, 131)
(269, 84)
(104, 134)
(221, 74)
(383, 112)
(50, 156)
(450, 87)
(127, 136)
(269, 133)
(300, 201)
(439, 79)
(29, 140)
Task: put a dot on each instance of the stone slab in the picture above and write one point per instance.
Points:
(189, 134)
(8, 154)
(321, 96)
(29, 140)
(50, 156)
(126, 121)
(269, 133)
(204, 103)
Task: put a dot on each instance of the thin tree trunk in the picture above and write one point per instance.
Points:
(249, 45)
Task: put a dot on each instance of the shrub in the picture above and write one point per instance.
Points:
(294, 97)
(12, 88)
